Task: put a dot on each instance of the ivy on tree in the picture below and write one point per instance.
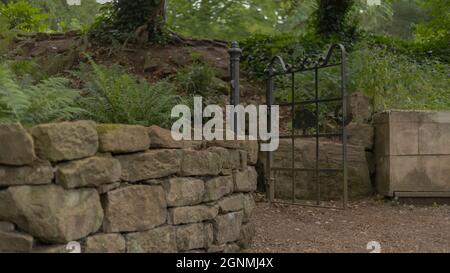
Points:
(332, 17)
(141, 20)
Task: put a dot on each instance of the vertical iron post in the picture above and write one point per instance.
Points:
(344, 121)
(317, 170)
(235, 58)
(270, 182)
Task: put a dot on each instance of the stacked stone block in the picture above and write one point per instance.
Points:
(413, 153)
(123, 188)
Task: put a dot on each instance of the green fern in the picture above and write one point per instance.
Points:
(114, 96)
(48, 101)
(13, 101)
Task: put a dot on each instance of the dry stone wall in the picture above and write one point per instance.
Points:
(123, 188)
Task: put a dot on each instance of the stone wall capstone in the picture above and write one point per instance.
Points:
(123, 188)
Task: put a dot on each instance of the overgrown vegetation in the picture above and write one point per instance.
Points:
(114, 96)
(46, 101)
(396, 81)
(131, 21)
(398, 61)
(23, 16)
(400, 76)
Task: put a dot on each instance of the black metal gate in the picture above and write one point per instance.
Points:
(315, 66)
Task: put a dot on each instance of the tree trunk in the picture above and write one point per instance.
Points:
(331, 16)
(132, 15)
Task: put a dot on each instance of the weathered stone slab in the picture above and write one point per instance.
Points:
(227, 228)
(105, 243)
(159, 240)
(14, 242)
(194, 236)
(231, 159)
(65, 140)
(246, 181)
(51, 213)
(436, 117)
(231, 203)
(200, 163)
(404, 139)
(399, 116)
(194, 214)
(249, 207)
(224, 248)
(216, 248)
(229, 144)
(184, 191)
(89, 172)
(359, 107)
(382, 178)
(420, 173)
(134, 208)
(149, 165)
(243, 159)
(382, 145)
(16, 145)
(251, 147)
(232, 248)
(218, 187)
(412, 152)
(119, 139)
(412, 133)
(52, 249)
(108, 187)
(162, 138)
(6, 226)
(361, 134)
(434, 139)
(39, 173)
(248, 232)
(194, 144)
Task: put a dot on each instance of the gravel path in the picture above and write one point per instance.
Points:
(398, 228)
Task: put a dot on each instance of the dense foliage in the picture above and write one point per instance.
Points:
(114, 96)
(140, 20)
(332, 17)
(47, 101)
(23, 16)
(398, 53)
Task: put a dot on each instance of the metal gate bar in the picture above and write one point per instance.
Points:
(308, 65)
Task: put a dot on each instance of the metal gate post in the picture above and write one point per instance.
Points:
(344, 121)
(235, 57)
(270, 182)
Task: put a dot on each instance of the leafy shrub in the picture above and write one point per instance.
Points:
(22, 16)
(394, 73)
(420, 51)
(395, 81)
(196, 79)
(437, 29)
(27, 70)
(47, 101)
(259, 49)
(6, 36)
(113, 96)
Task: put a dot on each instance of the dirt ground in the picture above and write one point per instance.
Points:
(397, 228)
